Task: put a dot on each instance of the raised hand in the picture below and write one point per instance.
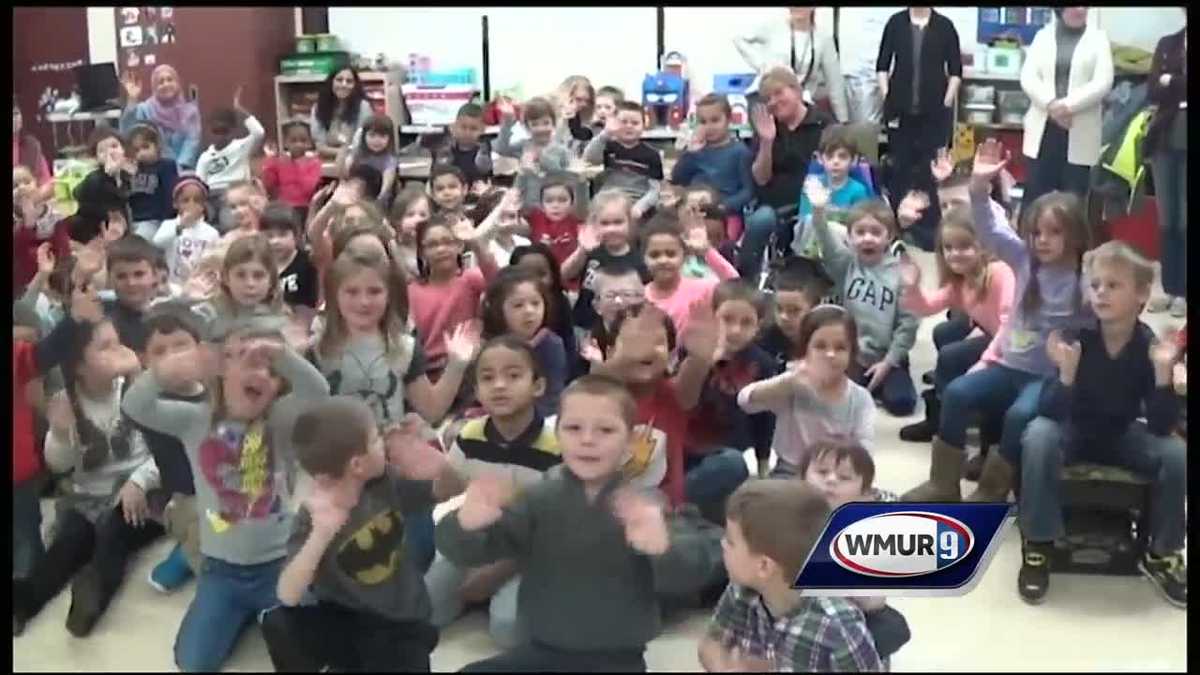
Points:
(590, 351)
(408, 450)
(703, 333)
(327, 515)
(120, 361)
(484, 501)
(911, 208)
(696, 238)
(462, 343)
(59, 415)
(612, 124)
(645, 526)
(764, 123)
(696, 142)
(942, 166)
(261, 351)
(237, 100)
(910, 273)
(817, 193)
(85, 302)
(464, 230)
(344, 196)
(506, 109)
(990, 158)
(133, 87)
(589, 240)
(132, 499)
(185, 367)
(45, 258)
(1062, 353)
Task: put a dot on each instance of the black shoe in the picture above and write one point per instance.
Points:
(87, 602)
(20, 605)
(927, 378)
(974, 467)
(1034, 578)
(1169, 574)
(923, 431)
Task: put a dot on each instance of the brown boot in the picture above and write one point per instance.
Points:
(945, 471)
(995, 481)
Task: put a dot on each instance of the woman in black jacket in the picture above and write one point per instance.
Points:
(1166, 147)
(920, 50)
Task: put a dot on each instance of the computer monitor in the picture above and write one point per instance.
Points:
(99, 87)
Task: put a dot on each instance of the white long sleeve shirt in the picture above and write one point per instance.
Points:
(220, 168)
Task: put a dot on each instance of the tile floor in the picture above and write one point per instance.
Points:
(1088, 623)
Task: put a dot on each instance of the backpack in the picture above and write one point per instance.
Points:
(1117, 178)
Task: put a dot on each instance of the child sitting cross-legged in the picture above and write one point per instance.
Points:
(631, 165)
(797, 288)
(605, 239)
(867, 279)
(348, 546)
(1107, 376)
(761, 623)
(513, 439)
(591, 550)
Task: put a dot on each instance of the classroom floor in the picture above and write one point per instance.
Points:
(1088, 623)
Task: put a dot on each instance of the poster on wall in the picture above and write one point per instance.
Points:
(141, 34)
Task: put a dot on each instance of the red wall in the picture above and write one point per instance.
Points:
(47, 42)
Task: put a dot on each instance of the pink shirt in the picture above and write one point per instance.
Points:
(989, 313)
(293, 181)
(437, 308)
(678, 303)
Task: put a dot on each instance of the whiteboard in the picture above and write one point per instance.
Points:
(451, 36)
(538, 47)
(705, 37)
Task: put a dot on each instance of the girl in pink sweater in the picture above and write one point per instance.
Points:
(668, 290)
(971, 282)
(445, 295)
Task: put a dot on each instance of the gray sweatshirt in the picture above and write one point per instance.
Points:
(582, 587)
(886, 331)
(1022, 339)
(245, 474)
(555, 157)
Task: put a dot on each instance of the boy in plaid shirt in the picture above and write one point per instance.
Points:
(761, 623)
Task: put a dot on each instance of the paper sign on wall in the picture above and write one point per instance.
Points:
(131, 36)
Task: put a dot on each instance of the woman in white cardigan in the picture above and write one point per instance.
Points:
(1067, 72)
(794, 42)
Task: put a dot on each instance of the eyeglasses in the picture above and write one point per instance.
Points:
(623, 296)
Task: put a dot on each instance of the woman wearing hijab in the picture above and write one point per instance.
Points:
(177, 119)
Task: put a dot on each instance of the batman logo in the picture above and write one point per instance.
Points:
(373, 554)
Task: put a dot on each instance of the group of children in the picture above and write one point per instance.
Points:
(229, 346)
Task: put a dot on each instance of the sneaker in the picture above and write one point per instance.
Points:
(1178, 308)
(1034, 578)
(172, 573)
(1169, 574)
(1159, 304)
(927, 378)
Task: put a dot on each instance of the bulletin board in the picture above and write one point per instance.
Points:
(146, 37)
(1021, 22)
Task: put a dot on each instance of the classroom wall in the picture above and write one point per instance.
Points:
(44, 63)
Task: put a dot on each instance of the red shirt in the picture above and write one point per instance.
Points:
(49, 227)
(26, 460)
(661, 411)
(562, 236)
(293, 181)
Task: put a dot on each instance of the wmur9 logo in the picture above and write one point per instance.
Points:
(899, 549)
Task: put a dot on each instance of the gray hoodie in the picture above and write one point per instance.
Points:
(886, 331)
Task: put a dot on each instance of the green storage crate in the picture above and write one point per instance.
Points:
(316, 63)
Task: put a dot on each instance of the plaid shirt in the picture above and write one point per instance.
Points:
(818, 635)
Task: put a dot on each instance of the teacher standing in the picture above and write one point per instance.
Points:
(793, 41)
(1068, 71)
(919, 71)
(1166, 146)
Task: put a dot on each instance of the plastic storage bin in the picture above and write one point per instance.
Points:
(979, 114)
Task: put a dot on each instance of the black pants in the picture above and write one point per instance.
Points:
(539, 658)
(912, 146)
(105, 546)
(1051, 171)
(307, 639)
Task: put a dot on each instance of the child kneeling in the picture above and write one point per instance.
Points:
(348, 545)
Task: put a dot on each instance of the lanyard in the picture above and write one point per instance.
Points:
(812, 51)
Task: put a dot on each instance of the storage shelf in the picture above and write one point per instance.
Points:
(998, 126)
(972, 74)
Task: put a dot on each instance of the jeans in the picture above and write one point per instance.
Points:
(912, 146)
(539, 658)
(105, 546)
(443, 581)
(956, 358)
(28, 548)
(956, 327)
(307, 639)
(1051, 170)
(1170, 185)
(994, 391)
(896, 393)
(420, 540)
(713, 476)
(228, 598)
(759, 226)
(1049, 445)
